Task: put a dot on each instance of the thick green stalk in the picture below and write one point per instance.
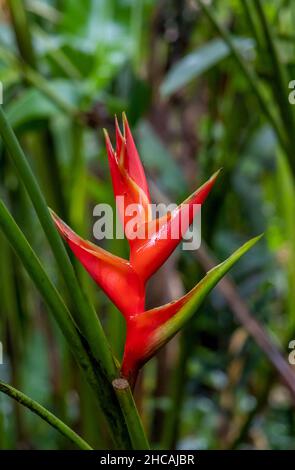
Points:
(136, 431)
(101, 385)
(46, 415)
(249, 75)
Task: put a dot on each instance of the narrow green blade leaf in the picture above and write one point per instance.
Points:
(202, 289)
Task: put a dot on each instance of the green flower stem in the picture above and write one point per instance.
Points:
(136, 431)
(45, 415)
(102, 387)
(249, 75)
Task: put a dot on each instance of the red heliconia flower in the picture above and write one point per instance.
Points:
(149, 253)
(124, 280)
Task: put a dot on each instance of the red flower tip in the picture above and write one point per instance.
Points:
(112, 273)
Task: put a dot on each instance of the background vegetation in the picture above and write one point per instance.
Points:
(203, 86)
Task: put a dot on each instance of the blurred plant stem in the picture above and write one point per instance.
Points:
(77, 200)
(90, 416)
(252, 21)
(46, 164)
(33, 77)
(285, 189)
(77, 182)
(11, 320)
(44, 414)
(172, 423)
(250, 76)
(22, 30)
(136, 29)
(280, 83)
(36, 79)
(269, 379)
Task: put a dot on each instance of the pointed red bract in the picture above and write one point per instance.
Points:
(112, 273)
(146, 256)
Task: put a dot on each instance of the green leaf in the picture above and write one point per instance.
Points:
(199, 61)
